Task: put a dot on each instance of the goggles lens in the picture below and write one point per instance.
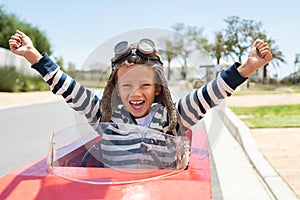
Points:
(144, 49)
(121, 48)
(146, 46)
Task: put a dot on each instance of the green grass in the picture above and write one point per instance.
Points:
(268, 89)
(281, 116)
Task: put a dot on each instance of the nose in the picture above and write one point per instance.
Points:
(136, 91)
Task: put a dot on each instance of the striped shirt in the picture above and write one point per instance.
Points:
(190, 108)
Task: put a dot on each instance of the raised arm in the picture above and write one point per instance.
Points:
(21, 44)
(78, 98)
(193, 107)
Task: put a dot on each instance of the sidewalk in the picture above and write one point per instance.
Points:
(236, 175)
(263, 99)
(279, 146)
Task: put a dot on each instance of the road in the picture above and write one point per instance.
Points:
(25, 132)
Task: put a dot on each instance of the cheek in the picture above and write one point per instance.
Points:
(123, 94)
(151, 93)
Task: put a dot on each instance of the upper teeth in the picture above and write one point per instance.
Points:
(136, 102)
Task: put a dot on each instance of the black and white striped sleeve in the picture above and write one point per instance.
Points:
(77, 97)
(193, 107)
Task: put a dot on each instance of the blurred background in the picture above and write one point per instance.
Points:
(70, 32)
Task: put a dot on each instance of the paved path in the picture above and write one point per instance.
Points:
(280, 146)
(263, 99)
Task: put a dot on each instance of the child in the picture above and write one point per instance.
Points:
(137, 91)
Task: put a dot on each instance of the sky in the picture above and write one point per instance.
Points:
(76, 28)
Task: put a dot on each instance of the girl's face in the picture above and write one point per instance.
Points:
(137, 88)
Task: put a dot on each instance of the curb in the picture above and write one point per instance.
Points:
(239, 130)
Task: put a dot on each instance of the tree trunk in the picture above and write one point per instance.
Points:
(265, 73)
(169, 70)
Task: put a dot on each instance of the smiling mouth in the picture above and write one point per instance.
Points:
(137, 104)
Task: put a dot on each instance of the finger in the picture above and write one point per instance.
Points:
(16, 41)
(257, 45)
(266, 54)
(16, 38)
(13, 44)
(13, 47)
(258, 42)
(12, 41)
(263, 49)
(20, 32)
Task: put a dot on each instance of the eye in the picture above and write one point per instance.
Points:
(145, 85)
(126, 86)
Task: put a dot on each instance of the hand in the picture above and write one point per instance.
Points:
(21, 44)
(259, 55)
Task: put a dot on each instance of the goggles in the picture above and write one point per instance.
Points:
(144, 50)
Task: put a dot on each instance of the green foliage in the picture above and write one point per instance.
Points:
(240, 34)
(234, 41)
(8, 79)
(38, 38)
(9, 23)
(13, 81)
(291, 81)
(218, 49)
(195, 33)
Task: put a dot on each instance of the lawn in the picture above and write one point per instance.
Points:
(268, 89)
(280, 116)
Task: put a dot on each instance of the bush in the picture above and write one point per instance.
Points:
(8, 79)
(39, 84)
(13, 81)
(291, 81)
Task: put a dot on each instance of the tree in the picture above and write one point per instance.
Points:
(277, 56)
(185, 46)
(38, 38)
(170, 54)
(240, 35)
(8, 26)
(218, 48)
